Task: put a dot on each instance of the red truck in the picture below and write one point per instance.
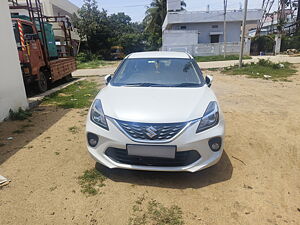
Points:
(40, 61)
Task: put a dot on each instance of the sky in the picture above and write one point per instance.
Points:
(136, 8)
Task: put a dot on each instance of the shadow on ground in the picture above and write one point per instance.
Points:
(32, 91)
(15, 135)
(216, 174)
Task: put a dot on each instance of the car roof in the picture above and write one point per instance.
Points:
(159, 54)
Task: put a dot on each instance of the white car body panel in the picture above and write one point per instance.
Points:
(156, 105)
(159, 54)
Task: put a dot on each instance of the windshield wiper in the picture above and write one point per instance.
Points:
(142, 84)
(162, 85)
(187, 85)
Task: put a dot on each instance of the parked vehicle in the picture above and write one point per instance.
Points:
(157, 113)
(117, 52)
(39, 59)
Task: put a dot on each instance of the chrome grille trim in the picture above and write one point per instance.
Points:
(185, 125)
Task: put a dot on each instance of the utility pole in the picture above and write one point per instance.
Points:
(225, 34)
(243, 33)
(298, 17)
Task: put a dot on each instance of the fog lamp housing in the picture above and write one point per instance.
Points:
(92, 139)
(215, 143)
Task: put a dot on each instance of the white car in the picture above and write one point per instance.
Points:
(156, 113)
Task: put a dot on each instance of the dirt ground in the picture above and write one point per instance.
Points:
(257, 180)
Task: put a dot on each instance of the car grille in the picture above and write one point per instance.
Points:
(151, 131)
(181, 158)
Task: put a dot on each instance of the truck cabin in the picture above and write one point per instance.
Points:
(38, 55)
(29, 47)
(117, 52)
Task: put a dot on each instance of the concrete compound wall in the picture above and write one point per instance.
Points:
(187, 41)
(204, 30)
(12, 91)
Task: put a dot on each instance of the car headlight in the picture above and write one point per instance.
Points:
(210, 117)
(97, 114)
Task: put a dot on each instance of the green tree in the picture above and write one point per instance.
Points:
(132, 42)
(125, 33)
(99, 31)
(93, 28)
(87, 22)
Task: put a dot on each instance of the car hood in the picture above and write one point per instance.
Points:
(155, 104)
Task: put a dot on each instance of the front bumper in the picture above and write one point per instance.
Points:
(188, 140)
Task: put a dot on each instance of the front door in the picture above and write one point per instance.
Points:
(33, 48)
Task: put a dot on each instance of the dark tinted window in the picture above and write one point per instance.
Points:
(214, 38)
(164, 72)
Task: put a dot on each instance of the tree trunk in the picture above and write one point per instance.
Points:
(298, 18)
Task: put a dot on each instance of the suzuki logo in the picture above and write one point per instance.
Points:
(151, 132)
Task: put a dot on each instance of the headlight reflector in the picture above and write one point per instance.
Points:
(210, 117)
(97, 114)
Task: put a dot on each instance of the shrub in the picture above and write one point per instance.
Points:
(290, 42)
(86, 57)
(264, 69)
(262, 44)
(19, 115)
(264, 62)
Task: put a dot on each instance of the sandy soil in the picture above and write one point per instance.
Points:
(256, 182)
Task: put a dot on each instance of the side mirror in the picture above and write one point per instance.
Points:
(107, 79)
(209, 79)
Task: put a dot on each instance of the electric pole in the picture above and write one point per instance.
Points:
(243, 33)
(225, 35)
(298, 17)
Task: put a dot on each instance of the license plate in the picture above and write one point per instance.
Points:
(159, 151)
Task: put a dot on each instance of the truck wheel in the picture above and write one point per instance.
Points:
(42, 83)
(68, 78)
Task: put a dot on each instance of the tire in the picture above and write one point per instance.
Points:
(42, 83)
(68, 78)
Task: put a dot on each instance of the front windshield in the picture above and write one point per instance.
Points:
(158, 72)
(115, 50)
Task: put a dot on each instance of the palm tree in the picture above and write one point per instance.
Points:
(155, 15)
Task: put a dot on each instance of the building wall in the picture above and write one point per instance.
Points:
(173, 5)
(179, 37)
(209, 49)
(54, 8)
(204, 29)
(187, 41)
(12, 91)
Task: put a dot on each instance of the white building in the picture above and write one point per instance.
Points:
(12, 91)
(53, 8)
(202, 32)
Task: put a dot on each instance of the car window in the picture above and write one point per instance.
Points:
(168, 72)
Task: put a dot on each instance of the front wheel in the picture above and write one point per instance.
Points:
(42, 83)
